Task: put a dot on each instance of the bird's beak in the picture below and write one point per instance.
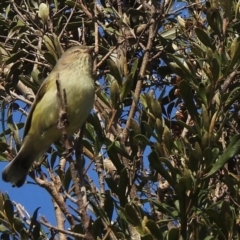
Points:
(91, 49)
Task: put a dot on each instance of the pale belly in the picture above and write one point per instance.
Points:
(79, 104)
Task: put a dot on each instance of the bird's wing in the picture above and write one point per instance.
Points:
(39, 96)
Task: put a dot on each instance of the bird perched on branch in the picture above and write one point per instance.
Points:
(73, 71)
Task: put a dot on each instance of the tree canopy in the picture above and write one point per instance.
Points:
(163, 137)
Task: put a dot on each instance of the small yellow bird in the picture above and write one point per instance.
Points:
(74, 71)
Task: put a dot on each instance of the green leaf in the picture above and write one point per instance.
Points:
(188, 97)
(215, 69)
(15, 57)
(126, 86)
(36, 230)
(128, 83)
(147, 237)
(26, 81)
(181, 188)
(198, 50)
(49, 43)
(226, 6)
(232, 97)
(134, 66)
(228, 216)
(72, 4)
(170, 33)
(113, 155)
(147, 130)
(114, 94)
(142, 138)
(117, 146)
(187, 126)
(185, 71)
(114, 71)
(108, 206)
(110, 10)
(176, 69)
(205, 118)
(202, 93)
(90, 132)
(153, 228)
(18, 225)
(204, 38)
(14, 129)
(1, 202)
(51, 59)
(234, 52)
(173, 234)
(36, 76)
(214, 216)
(34, 219)
(112, 184)
(208, 156)
(8, 208)
(103, 97)
(156, 108)
(168, 140)
(214, 20)
(159, 128)
(67, 179)
(95, 122)
(133, 215)
(123, 183)
(129, 215)
(232, 150)
(156, 164)
(194, 160)
(166, 209)
(134, 126)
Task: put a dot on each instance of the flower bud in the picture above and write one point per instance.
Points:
(43, 12)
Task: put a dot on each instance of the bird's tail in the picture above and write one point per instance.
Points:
(16, 171)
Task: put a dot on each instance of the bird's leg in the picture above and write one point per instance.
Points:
(62, 104)
(63, 117)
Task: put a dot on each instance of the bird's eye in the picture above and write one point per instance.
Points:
(76, 51)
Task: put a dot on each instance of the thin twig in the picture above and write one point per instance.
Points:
(58, 198)
(185, 130)
(81, 193)
(151, 37)
(78, 235)
(35, 62)
(84, 8)
(19, 97)
(35, 67)
(108, 54)
(96, 36)
(15, 6)
(68, 20)
(28, 92)
(187, 6)
(119, 4)
(229, 80)
(70, 197)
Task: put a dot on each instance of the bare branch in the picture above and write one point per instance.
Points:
(77, 235)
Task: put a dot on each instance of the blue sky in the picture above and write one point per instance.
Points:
(30, 197)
